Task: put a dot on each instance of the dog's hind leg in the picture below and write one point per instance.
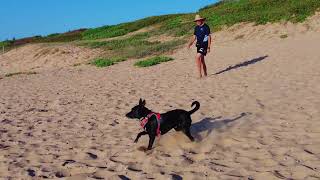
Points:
(139, 135)
(186, 124)
(186, 131)
(178, 128)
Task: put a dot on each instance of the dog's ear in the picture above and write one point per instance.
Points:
(142, 102)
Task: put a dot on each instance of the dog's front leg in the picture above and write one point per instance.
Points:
(139, 135)
(152, 137)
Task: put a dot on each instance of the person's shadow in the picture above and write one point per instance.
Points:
(242, 64)
(211, 123)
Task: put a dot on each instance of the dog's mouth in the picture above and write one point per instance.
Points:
(128, 115)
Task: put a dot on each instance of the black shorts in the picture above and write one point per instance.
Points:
(202, 50)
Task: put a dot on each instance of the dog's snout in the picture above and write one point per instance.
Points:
(128, 115)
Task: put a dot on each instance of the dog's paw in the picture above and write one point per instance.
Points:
(149, 151)
(145, 149)
(142, 148)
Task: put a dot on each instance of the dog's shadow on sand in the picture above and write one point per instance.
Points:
(209, 124)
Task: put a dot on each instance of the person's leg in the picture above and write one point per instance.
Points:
(198, 61)
(204, 66)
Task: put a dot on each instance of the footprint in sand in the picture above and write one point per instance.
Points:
(92, 156)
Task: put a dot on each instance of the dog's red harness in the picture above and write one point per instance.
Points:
(145, 120)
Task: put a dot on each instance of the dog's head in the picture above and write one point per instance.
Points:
(139, 111)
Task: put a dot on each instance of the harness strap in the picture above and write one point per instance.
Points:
(145, 120)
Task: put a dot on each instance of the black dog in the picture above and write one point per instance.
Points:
(154, 123)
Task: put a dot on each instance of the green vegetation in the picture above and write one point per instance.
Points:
(104, 62)
(177, 26)
(5, 46)
(156, 49)
(153, 61)
(124, 28)
(136, 40)
(283, 36)
(4, 43)
(260, 11)
(66, 37)
(136, 46)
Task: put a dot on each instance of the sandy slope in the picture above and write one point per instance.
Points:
(35, 57)
(259, 116)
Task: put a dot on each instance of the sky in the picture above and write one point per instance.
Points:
(25, 18)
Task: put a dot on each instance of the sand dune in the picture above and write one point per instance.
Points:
(250, 31)
(259, 116)
(35, 57)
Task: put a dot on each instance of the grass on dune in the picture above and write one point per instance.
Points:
(154, 49)
(178, 25)
(136, 40)
(61, 38)
(136, 46)
(259, 11)
(5, 45)
(124, 28)
(105, 62)
(153, 61)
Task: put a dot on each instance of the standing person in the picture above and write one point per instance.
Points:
(203, 37)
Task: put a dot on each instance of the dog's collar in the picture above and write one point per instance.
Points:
(146, 116)
(141, 119)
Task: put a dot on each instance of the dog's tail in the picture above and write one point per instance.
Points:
(196, 108)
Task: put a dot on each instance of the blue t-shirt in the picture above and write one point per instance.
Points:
(202, 33)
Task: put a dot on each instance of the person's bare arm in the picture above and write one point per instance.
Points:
(209, 43)
(193, 38)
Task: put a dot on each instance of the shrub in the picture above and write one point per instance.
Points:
(153, 61)
(105, 62)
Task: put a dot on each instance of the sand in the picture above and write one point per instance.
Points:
(37, 57)
(259, 115)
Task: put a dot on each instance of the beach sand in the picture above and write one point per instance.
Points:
(259, 115)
